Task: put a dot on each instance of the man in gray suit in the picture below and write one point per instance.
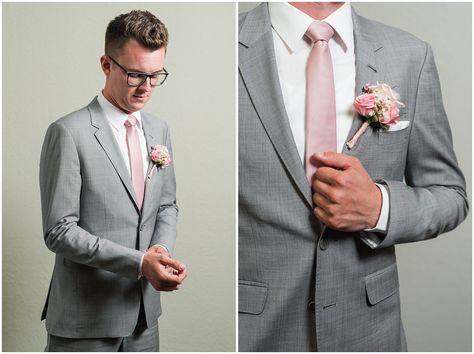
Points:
(109, 206)
(317, 267)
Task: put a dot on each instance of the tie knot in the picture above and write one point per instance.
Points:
(131, 121)
(319, 31)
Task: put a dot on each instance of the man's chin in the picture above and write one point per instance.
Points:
(138, 102)
(135, 106)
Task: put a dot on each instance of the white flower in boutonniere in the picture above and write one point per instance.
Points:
(160, 157)
(378, 107)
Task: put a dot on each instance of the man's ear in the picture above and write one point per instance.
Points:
(105, 64)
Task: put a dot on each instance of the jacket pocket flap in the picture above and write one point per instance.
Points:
(381, 284)
(252, 297)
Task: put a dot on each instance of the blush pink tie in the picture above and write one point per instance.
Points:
(136, 159)
(320, 96)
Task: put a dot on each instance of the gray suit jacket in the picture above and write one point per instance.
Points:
(92, 222)
(302, 286)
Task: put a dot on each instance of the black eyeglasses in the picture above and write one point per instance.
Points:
(137, 78)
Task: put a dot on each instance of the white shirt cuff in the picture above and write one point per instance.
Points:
(164, 248)
(384, 212)
(140, 274)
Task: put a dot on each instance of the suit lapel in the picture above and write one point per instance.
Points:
(107, 141)
(369, 69)
(257, 65)
(150, 141)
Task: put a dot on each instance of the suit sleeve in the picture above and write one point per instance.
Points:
(432, 200)
(60, 186)
(165, 225)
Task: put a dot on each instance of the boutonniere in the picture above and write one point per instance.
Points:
(160, 157)
(378, 107)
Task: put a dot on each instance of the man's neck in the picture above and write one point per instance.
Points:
(113, 102)
(317, 10)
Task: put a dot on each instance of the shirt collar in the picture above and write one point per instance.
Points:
(115, 116)
(291, 24)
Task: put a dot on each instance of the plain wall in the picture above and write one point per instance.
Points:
(435, 275)
(51, 67)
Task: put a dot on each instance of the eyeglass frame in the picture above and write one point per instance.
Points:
(166, 73)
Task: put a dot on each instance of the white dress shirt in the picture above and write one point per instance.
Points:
(292, 50)
(116, 119)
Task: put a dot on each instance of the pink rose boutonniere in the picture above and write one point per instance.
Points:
(378, 107)
(160, 157)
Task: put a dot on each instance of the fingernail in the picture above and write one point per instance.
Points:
(319, 155)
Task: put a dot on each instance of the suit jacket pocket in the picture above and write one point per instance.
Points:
(381, 284)
(393, 137)
(252, 297)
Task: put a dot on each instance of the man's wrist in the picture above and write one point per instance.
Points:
(140, 271)
(382, 222)
(140, 268)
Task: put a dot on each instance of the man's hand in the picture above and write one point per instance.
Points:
(158, 249)
(161, 249)
(163, 272)
(346, 198)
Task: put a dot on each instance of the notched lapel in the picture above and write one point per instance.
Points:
(106, 139)
(369, 69)
(257, 65)
(151, 182)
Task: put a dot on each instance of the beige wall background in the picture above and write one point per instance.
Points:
(435, 275)
(51, 67)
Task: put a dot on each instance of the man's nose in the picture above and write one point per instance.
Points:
(146, 86)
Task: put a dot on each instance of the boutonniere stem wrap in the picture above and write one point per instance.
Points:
(378, 106)
(160, 157)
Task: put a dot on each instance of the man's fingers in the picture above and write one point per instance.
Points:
(171, 270)
(321, 201)
(171, 279)
(173, 263)
(322, 188)
(326, 174)
(161, 287)
(172, 275)
(183, 274)
(334, 160)
(321, 214)
(167, 288)
(315, 159)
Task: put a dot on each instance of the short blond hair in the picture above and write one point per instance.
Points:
(142, 26)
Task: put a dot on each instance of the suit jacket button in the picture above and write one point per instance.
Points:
(142, 226)
(323, 244)
(312, 306)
